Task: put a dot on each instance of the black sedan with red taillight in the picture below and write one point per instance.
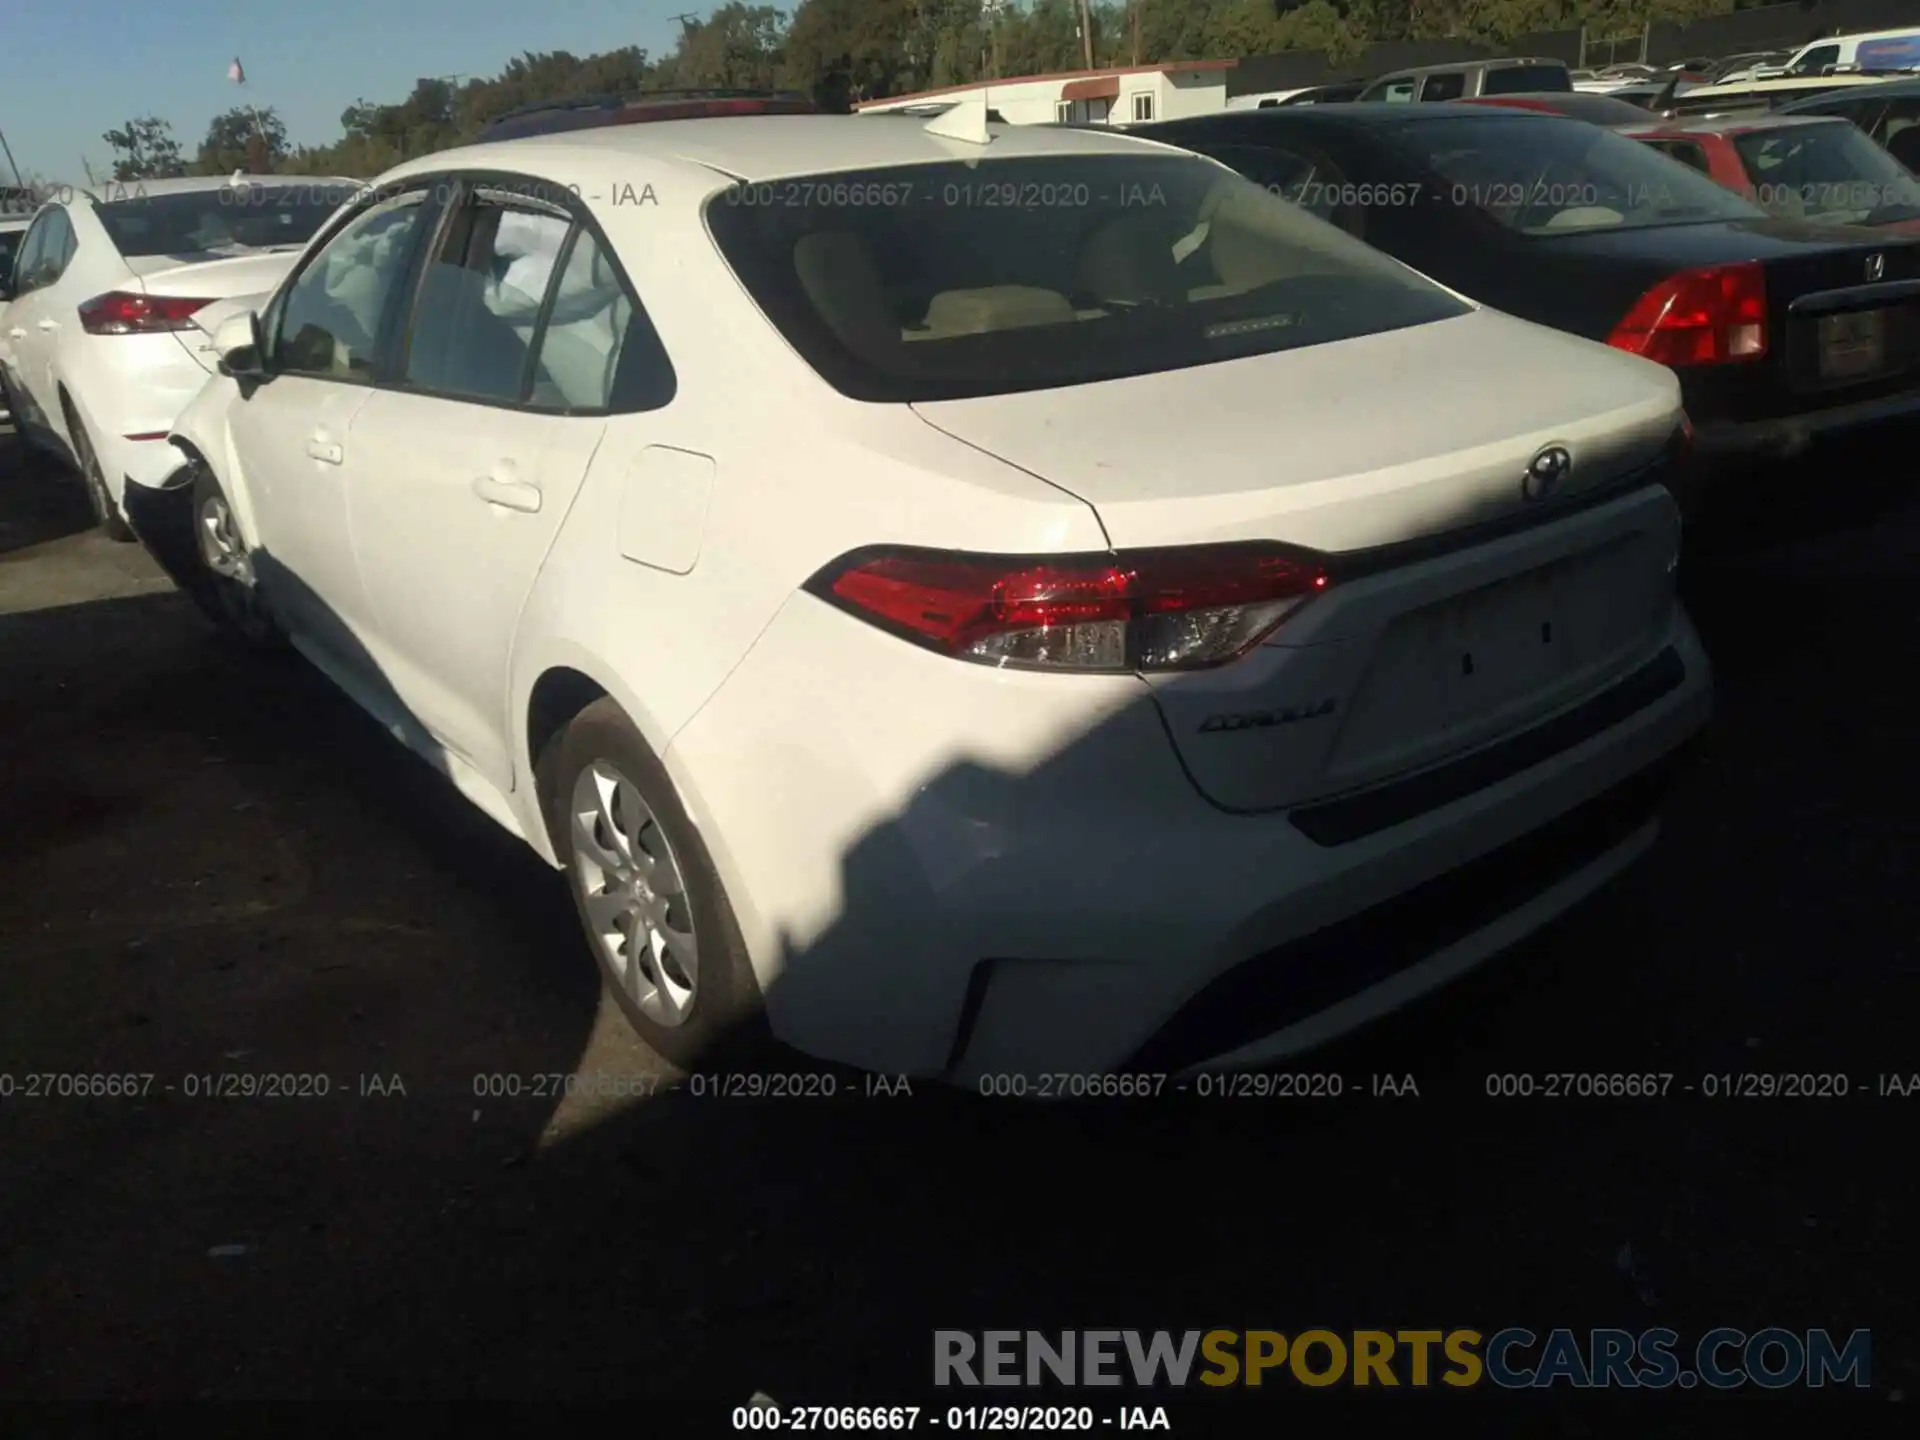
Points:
(1782, 331)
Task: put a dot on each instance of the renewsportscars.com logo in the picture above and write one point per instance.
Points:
(1512, 1359)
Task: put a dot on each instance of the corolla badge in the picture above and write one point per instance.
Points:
(1546, 473)
(1876, 267)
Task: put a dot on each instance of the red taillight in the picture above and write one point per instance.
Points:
(1710, 316)
(118, 312)
(1184, 609)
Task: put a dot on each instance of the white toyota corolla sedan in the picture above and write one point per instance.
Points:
(997, 601)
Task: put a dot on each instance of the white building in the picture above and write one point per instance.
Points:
(1086, 97)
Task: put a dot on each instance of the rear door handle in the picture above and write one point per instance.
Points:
(49, 324)
(508, 494)
(325, 451)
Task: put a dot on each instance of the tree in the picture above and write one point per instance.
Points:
(237, 141)
(737, 47)
(144, 149)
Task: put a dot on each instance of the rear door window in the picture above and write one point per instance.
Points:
(598, 351)
(480, 298)
(1447, 85)
(1525, 79)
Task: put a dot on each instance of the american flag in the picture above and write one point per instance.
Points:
(235, 73)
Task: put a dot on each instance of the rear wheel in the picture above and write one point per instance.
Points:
(228, 587)
(655, 912)
(105, 512)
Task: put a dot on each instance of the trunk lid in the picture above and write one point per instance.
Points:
(1381, 441)
(234, 283)
(1812, 271)
(1333, 447)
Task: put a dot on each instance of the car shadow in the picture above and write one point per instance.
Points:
(694, 1245)
(43, 503)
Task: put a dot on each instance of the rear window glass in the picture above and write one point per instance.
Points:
(1519, 79)
(949, 280)
(9, 247)
(1542, 175)
(234, 218)
(1599, 109)
(1830, 173)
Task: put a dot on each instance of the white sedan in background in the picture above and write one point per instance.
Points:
(102, 342)
(1017, 601)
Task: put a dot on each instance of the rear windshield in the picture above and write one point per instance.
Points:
(1518, 79)
(1542, 175)
(949, 280)
(235, 218)
(1828, 173)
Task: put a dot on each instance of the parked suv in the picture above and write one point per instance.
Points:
(1469, 80)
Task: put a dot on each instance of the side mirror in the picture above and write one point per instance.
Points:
(236, 340)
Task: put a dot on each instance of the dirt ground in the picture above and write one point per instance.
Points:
(212, 864)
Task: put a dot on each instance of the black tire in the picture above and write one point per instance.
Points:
(725, 1011)
(236, 605)
(106, 514)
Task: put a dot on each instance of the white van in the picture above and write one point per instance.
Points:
(1877, 50)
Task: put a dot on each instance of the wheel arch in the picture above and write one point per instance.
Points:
(556, 680)
(556, 685)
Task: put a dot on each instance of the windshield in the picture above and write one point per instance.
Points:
(949, 280)
(1546, 176)
(235, 219)
(1832, 174)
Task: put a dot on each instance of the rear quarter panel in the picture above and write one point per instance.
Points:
(799, 476)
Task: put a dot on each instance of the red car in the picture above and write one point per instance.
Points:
(1802, 167)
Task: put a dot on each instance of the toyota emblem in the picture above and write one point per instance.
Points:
(1876, 267)
(1545, 473)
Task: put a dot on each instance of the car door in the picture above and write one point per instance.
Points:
(293, 432)
(36, 317)
(17, 348)
(1443, 85)
(514, 346)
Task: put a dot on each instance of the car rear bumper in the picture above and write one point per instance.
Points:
(1720, 444)
(944, 871)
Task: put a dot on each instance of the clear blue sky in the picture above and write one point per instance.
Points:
(71, 69)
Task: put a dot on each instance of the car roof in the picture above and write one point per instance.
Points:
(1777, 87)
(1730, 124)
(765, 147)
(1889, 89)
(1503, 62)
(110, 190)
(1371, 113)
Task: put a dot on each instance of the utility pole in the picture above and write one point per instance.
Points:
(1133, 15)
(1086, 33)
(12, 164)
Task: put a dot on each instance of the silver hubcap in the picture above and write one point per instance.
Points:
(220, 543)
(634, 895)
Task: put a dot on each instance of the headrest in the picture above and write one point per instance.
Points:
(837, 272)
(996, 307)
